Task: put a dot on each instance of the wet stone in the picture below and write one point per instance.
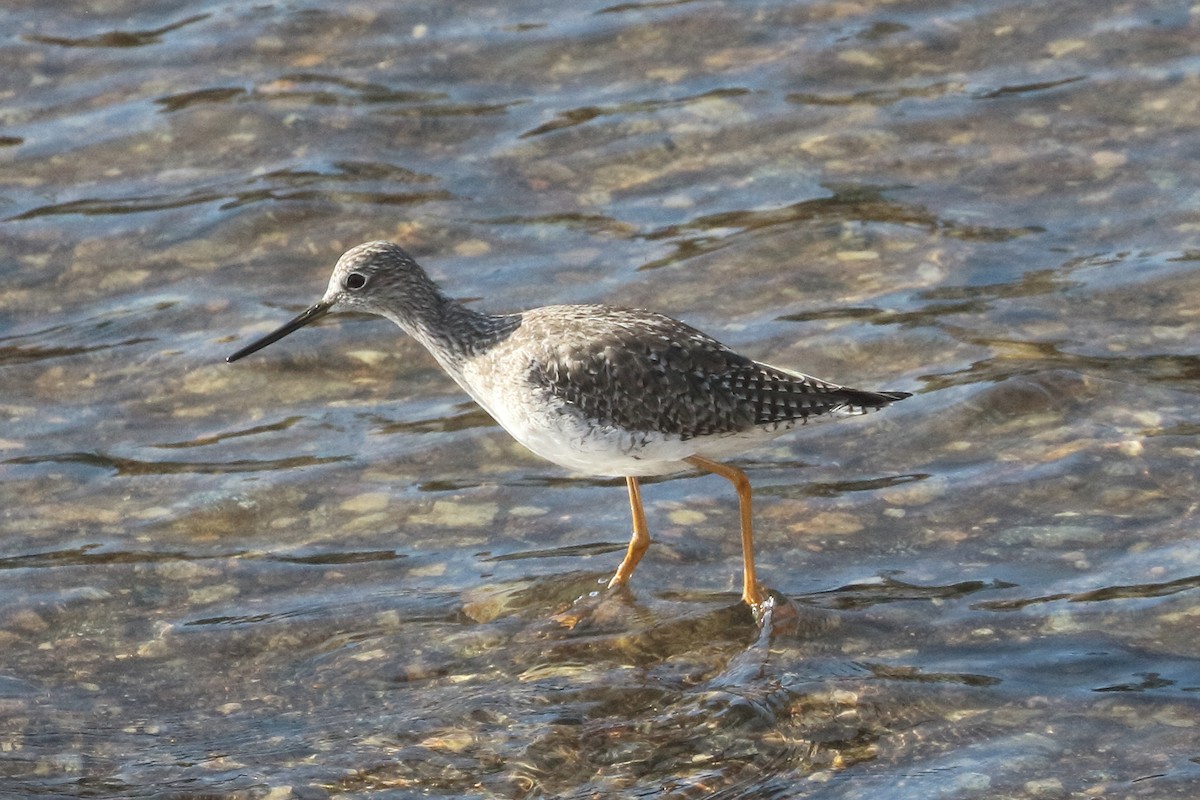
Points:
(455, 514)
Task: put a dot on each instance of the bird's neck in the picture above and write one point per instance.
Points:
(453, 333)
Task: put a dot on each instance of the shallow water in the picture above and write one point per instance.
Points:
(322, 572)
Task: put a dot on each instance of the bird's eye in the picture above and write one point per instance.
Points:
(355, 280)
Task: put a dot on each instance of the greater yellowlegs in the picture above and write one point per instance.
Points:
(599, 390)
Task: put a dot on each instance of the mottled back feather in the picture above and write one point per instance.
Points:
(643, 371)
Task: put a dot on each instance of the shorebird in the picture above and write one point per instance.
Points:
(600, 390)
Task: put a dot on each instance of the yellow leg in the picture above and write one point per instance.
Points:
(640, 539)
(751, 594)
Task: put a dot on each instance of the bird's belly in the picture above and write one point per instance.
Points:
(589, 448)
(558, 433)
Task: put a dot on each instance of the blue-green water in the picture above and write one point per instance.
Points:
(322, 572)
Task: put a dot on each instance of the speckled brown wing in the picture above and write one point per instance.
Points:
(642, 371)
(782, 396)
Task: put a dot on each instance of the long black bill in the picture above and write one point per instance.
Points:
(314, 313)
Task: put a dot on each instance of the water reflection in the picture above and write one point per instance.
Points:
(118, 38)
(579, 116)
(858, 204)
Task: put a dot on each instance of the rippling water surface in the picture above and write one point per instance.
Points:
(322, 572)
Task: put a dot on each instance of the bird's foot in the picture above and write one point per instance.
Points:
(752, 596)
(598, 607)
(775, 614)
